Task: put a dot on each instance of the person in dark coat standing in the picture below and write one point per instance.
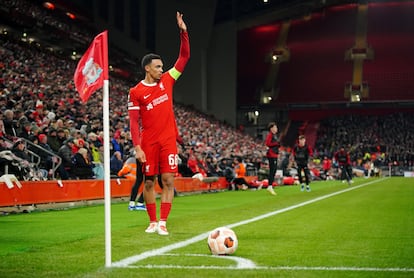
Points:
(301, 154)
(273, 143)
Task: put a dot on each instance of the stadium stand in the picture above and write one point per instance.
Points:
(317, 71)
(391, 71)
(37, 84)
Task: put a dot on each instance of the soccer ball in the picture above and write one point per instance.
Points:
(222, 241)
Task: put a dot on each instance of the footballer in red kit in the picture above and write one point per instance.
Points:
(153, 127)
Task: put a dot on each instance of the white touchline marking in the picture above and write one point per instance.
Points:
(306, 268)
(343, 268)
(163, 250)
(299, 205)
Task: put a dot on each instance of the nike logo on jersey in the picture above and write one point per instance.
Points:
(147, 96)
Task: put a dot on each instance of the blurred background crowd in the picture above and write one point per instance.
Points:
(46, 132)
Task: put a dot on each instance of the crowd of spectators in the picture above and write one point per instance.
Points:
(39, 104)
(383, 139)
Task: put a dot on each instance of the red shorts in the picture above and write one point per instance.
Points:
(161, 157)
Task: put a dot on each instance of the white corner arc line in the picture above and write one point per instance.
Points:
(159, 251)
(156, 252)
(241, 263)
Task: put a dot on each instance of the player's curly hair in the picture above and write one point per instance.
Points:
(147, 59)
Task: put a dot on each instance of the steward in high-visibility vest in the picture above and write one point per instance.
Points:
(129, 169)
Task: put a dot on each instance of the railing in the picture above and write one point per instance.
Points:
(35, 159)
(56, 160)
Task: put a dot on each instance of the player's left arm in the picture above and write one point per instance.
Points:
(184, 54)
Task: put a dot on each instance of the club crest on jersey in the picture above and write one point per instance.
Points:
(92, 71)
(150, 106)
(162, 86)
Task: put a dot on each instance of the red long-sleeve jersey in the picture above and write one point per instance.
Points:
(273, 142)
(152, 104)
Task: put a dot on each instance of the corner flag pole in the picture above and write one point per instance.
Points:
(107, 169)
(107, 175)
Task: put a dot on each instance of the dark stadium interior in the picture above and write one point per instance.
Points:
(249, 12)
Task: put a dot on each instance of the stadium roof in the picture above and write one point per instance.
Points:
(246, 12)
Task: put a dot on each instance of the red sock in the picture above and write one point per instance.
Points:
(165, 211)
(152, 212)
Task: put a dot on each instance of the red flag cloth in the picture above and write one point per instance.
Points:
(92, 68)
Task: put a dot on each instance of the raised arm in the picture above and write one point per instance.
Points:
(180, 22)
(184, 55)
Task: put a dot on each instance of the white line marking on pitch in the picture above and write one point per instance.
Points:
(242, 263)
(163, 250)
(306, 268)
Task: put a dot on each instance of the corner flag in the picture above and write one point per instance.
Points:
(92, 74)
(92, 68)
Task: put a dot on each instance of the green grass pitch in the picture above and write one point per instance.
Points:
(336, 230)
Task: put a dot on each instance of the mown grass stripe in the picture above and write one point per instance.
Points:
(156, 252)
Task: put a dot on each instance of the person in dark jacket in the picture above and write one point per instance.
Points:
(301, 154)
(23, 158)
(116, 163)
(66, 154)
(9, 123)
(52, 140)
(27, 170)
(82, 165)
(45, 153)
(343, 159)
(273, 143)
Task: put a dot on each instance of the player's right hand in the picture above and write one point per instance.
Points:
(140, 155)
